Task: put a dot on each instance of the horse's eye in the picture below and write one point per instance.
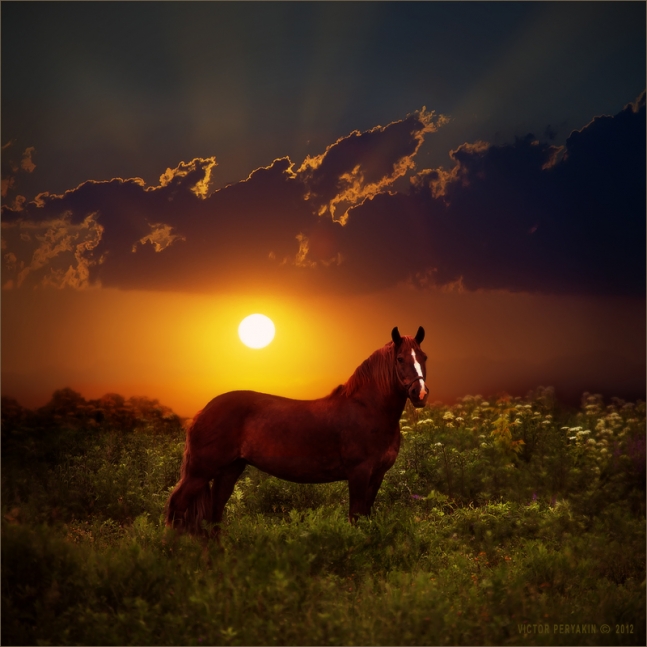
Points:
(400, 359)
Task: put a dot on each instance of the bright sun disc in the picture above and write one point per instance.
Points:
(256, 331)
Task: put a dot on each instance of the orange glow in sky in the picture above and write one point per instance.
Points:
(152, 199)
(184, 349)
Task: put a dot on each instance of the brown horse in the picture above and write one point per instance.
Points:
(351, 435)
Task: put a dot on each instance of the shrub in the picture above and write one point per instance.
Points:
(497, 514)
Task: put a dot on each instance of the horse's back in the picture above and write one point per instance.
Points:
(237, 414)
(293, 439)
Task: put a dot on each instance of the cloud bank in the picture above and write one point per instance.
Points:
(527, 216)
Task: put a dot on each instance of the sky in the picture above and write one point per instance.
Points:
(171, 167)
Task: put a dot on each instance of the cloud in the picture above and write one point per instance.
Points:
(26, 163)
(525, 216)
(535, 217)
(268, 229)
(160, 237)
(66, 249)
(362, 165)
(12, 170)
(196, 176)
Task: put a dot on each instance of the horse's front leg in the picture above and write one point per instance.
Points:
(359, 491)
(223, 486)
(373, 487)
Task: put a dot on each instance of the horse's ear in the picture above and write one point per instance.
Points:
(396, 337)
(420, 335)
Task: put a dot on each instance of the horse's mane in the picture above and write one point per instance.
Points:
(378, 370)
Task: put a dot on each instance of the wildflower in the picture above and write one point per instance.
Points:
(545, 422)
(416, 496)
(459, 419)
(448, 415)
(475, 418)
(438, 445)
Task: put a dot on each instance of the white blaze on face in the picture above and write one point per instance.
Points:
(418, 369)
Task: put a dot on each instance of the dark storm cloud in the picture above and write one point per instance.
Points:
(121, 233)
(531, 216)
(525, 216)
(275, 227)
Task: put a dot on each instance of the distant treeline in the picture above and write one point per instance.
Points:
(70, 410)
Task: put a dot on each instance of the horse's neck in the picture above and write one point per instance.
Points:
(378, 394)
(374, 382)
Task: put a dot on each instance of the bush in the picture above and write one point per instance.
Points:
(497, 516)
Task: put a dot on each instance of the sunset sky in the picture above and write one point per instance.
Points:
(171, 167)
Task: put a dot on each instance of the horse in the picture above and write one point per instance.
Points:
(352, 434)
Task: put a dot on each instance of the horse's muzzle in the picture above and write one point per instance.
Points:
(418, 393)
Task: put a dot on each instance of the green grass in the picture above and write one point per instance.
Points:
(476, 538)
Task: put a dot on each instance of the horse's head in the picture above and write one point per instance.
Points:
(410, 365)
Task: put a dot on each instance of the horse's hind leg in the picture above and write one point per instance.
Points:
(223, 486)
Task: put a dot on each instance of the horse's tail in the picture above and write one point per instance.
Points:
(200, 509)
(186, 509)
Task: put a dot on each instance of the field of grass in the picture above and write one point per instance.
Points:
(508, 521)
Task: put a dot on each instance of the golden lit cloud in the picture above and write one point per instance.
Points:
(27, 164)
(508, 216)
(301, 259)
(61, 248)
(196, 175)
(360, 166)
(160, 237)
